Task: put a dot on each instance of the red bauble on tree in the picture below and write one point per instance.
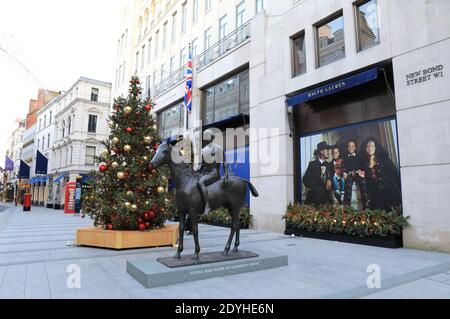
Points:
(103, 168)
(155, 147)
(110, 227)
(148, 107)
(151, 214)
(129, 130)
(142, 227)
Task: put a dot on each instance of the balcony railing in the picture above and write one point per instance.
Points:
(174, 78)
(226, 44)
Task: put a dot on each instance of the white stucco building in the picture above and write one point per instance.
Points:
(344, 66)
(29, 147)
(80, 125)
(44, 143)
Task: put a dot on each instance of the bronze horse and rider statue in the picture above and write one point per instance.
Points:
(201, 190)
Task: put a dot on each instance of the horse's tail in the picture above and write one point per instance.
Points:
(252, 188)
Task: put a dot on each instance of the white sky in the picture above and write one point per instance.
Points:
(58, 41)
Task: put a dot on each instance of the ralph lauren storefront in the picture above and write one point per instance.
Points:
(346, 154)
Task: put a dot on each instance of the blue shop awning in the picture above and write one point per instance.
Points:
(59, 178)
(24, 170)
(239, 117)
(44, 179)
(334, 87)
(41, 163)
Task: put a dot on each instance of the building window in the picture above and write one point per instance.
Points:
(207, 5)
(92, 125)
(182, 57)
(67, 156)
(299, 54)
(123, 73)
(94, 95)
(63, 128)
(171, 121)
(195, 11)
(330, 40)
(136, 65)
(223, 27)
(45, 120)
(156, 43)
(208, 38)
(164, 43)
(149, 51)
(50, 118)
(48, 141)
(40, 122)
(174, 26)
(70, 125)
(172, 64)
(38, 143)
(194, 47)
(183, 17)
(240, 14)
(90, 153)
(143, 57)
(228, 98)
(367, 24)
(259, 5)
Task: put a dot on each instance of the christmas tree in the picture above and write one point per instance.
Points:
(129, 194)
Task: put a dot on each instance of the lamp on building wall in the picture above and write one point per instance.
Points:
(290, 116)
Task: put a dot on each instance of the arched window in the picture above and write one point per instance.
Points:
(70, 125)
(140, 27)
(145, 23)
(63, 128)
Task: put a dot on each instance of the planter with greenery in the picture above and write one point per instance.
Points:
(221, 217)
(377, 227)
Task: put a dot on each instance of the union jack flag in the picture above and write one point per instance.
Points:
(188, 91)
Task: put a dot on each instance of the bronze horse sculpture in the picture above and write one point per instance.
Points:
(228, 192)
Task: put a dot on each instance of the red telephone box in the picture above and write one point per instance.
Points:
(69, 201)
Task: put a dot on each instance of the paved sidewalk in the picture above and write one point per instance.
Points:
(35, 252)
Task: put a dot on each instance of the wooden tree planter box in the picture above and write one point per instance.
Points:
(116, 239)
(379, 241)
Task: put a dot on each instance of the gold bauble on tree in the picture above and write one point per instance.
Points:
(147, 139)
(115, 140)
(124, 164)
(161, 189)
(127, 148)
(114, 164)
(130, 193)
(128, 205)
(121, 175)
(145, 158)
(111, 124)
(105, 152)
(134, 208)
(127, 110)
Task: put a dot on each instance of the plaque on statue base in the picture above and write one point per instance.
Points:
(166, 271)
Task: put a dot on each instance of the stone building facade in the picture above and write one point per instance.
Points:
(299, 58)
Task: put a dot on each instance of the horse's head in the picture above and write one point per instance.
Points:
(162, 156)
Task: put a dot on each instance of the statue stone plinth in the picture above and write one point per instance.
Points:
(152, 273)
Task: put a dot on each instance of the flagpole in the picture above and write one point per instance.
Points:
(188, 111)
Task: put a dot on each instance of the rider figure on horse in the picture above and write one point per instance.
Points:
(212, 156)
